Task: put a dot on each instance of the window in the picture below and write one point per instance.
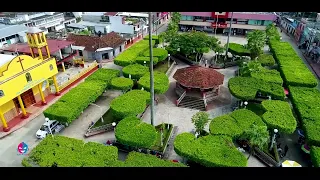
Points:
(28, 77)
(1, 93)
(80, 53)
(51, 67)
(120, 48)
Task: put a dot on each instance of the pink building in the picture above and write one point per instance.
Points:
(219, 22)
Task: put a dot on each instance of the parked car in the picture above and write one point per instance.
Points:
(49, 127)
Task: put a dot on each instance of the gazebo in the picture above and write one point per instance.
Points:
(198, 82)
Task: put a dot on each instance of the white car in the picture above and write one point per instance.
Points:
(49, 127)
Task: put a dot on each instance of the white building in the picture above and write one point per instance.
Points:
(11, 34)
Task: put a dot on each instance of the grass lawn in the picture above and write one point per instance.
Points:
(162, 66)
(107, 119)
(166, 132)
(256, 108)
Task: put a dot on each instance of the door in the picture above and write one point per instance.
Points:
(28, 98)
(105, 56)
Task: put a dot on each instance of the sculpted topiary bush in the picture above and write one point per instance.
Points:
(121, 83)
(315, 156)
(131, 103)
(238, 49)
(266, 60)
(160, 53)
(135, 70)
(133, 132)
(142, 59)
(161, 82)
(209, 151)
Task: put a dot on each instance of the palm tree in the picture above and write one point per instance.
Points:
(257, 136)
(256, 41)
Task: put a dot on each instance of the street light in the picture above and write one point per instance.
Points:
(168, 60)
(100, 110)
(151, 72)
(215, 32)
(273, 139)
(225, 58)
(114, 124)
(245, 104)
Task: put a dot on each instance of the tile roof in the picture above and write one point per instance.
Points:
(92, 43)
(110, 13)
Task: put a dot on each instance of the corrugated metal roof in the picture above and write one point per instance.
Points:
(76, 25)
(9, 30)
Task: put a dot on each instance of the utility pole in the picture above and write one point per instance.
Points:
(151, 71)
(225, 58)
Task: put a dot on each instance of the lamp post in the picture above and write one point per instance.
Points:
(273, 139)
(168, 60)
(114, 125)
(225, 58)
(151, 72)
(100, 110)
(215, 31)
(245, 104)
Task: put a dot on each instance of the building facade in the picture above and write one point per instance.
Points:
(11, 34)
(219, 22)
(24, 79)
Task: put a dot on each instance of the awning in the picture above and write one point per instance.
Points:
(104, 49)
(81, 48)
(195, 23)
(246, 26)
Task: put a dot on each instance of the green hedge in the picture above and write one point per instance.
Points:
(135, 70)
(279, 116)
(292, 68)
(161, 82)
(246, 88)
(129, 55)
(160, 53)
(266, 60)
(142, 59)
(235, 123)
(156, 38)
(121, 83)
(306, 103)
(133, 132)
(62, 151)
(315, 156)
(131, 103)
(238, 49)
(69, 106)
(266, 75)
(209, 151)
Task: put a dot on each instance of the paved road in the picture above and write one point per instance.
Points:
(161, 29)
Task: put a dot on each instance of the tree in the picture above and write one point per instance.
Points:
(246, 68)
(200, 120)
(257, 136)
(272, 32)
(256, 41)
(173, 27)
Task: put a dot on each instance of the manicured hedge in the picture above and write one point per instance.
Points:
(121, 83)
(133, 132)
(266, 60)
(63, 151)
(279, 116)
(156, 38)
(315, 156)
(266, 75)
(160, 53)
(246, 88)
(142, 59)
(306, 103)
(135, 159)
(135, 70)
(161, 82)
(129, 55)
(238, 49)
(292, 68)
(131, 103)
(70, 106)
(235, 123)
(209, 151)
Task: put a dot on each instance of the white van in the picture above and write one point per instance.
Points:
(49, 127)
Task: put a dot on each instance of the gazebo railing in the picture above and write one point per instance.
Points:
(181, 97)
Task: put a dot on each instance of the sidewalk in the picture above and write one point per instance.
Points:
(36, 110)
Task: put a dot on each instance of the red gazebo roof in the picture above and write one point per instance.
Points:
(198, 77)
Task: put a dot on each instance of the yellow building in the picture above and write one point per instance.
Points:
(24, 79)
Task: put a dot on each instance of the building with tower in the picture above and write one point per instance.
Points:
(24, 78)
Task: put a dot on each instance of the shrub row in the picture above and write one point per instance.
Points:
(279, 116)
(266, 60)
(70, 105)
(160, 53)
(133, 132)
(292, 68)
(306, 103)
(129, 55)
(235, 123)
(238, 49)
(131, 103)
(62, 151)
(121, 83)
(315, 156)
(142, 59)
(161, 82)
(135, 70)
(246, 88)
(267, 75)
(209, 151)
(156, 38)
